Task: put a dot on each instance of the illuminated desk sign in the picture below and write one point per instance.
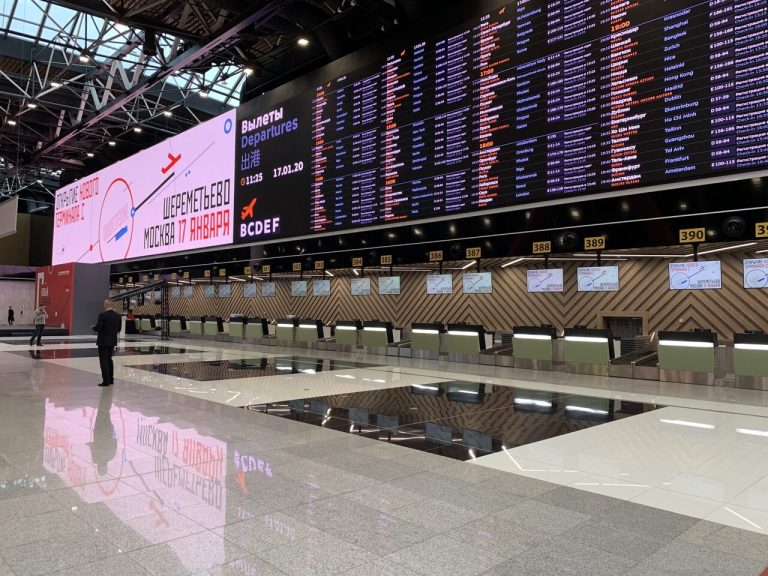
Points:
(341, 327)
(430, 328)
(375, 329)
(698, 339)
(532, 337)
(686, 344)
(462, 333)
(591, 339)
(424, 331)
(534, 333)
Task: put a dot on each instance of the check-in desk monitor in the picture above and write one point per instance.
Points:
(465, 339)
(588, 346)
(347, 332)
(687, 351)
(309, 331)
(750, 355)
(533, 342)
(377, 334)
(286, 329)
(426, 336)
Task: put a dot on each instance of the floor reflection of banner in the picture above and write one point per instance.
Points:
(178, 467)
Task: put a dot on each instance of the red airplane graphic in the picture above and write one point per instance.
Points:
(173, 160)
(247, 212)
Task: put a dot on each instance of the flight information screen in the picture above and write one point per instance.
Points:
(535, 100)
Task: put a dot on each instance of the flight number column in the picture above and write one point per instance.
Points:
(364, 178)
(320, 219)
(722, 73)
(395, 138)
(493, 114)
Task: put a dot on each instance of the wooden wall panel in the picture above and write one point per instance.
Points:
(643, 282)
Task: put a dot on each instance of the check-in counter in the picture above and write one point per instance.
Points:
(464, 342)
(588, 351)
(256, 328)
(237, 324)
(177, 325)
(426, 340)
(212, 326)
(285, 330)
(308, 332)
(750, 360)
(196, 328)
(348, 333)
(687, 357)
(377, 336)
(533, 347)
(147, 324)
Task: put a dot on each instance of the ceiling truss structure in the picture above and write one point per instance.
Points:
(84, 83)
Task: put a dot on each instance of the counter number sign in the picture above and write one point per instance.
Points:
(357, 262)
(542, 247)
(319, 265)
(247, 270)
(222, 272)
(386, 260)
(761, 230)
(692, 235)
(266, 269)
(473, 253)
(297, 266)
(594, 243)
(436, 256)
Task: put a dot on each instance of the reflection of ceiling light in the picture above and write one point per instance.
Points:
(689, 424)
(467, 392)
(303, 42)
(715, 250)
(345, 376)
(585, 409)
(752, 432)
(425, 387)
(532, 402)
(513, 262)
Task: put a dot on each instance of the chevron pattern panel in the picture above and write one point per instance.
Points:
(644, 291)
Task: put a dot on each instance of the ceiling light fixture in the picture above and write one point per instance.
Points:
(247, 70)
(112, 143)
(167, 113)
(31, 105)
(203, 93)
(302, 41)
(469, 265)
(55, 84)
(715, 250)
(84, 58)
(137, 129)
(11, 122)
(89, 154)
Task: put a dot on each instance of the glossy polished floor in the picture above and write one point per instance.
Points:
(213, 458)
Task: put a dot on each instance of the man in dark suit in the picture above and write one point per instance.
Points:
(107, 327)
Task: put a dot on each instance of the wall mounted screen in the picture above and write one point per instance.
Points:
(439, 284)
(529, 102)
(546, 280)
(389, 285)
(695, 275)
(360, 287)
(477, 283)
(756, 273)
(250, 290)
(598, 279)
(225, 290)
(299, 288)
(321, 287)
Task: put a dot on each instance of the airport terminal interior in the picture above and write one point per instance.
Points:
(389, 288)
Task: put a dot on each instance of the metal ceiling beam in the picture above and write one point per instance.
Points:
(99, 9)
(181, 62)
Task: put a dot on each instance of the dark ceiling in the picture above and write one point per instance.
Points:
(84, 83)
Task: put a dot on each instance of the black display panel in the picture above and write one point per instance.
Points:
(533, 101)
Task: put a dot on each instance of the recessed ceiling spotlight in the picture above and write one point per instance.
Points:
(247, 70)
(11, 122)
(55, 84)
(203, 93)
(84, 58)
(112, 143)
(89, 154)
(302, 41)
(137, 129)
(31, 105)
(167, 113)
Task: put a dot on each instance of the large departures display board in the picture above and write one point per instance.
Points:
(532, 101)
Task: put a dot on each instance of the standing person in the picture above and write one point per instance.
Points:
(11, 316)
(39, 318)
(107, 327)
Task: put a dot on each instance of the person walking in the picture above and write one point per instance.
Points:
(11, 316)
(39, 318)
(107, 327)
